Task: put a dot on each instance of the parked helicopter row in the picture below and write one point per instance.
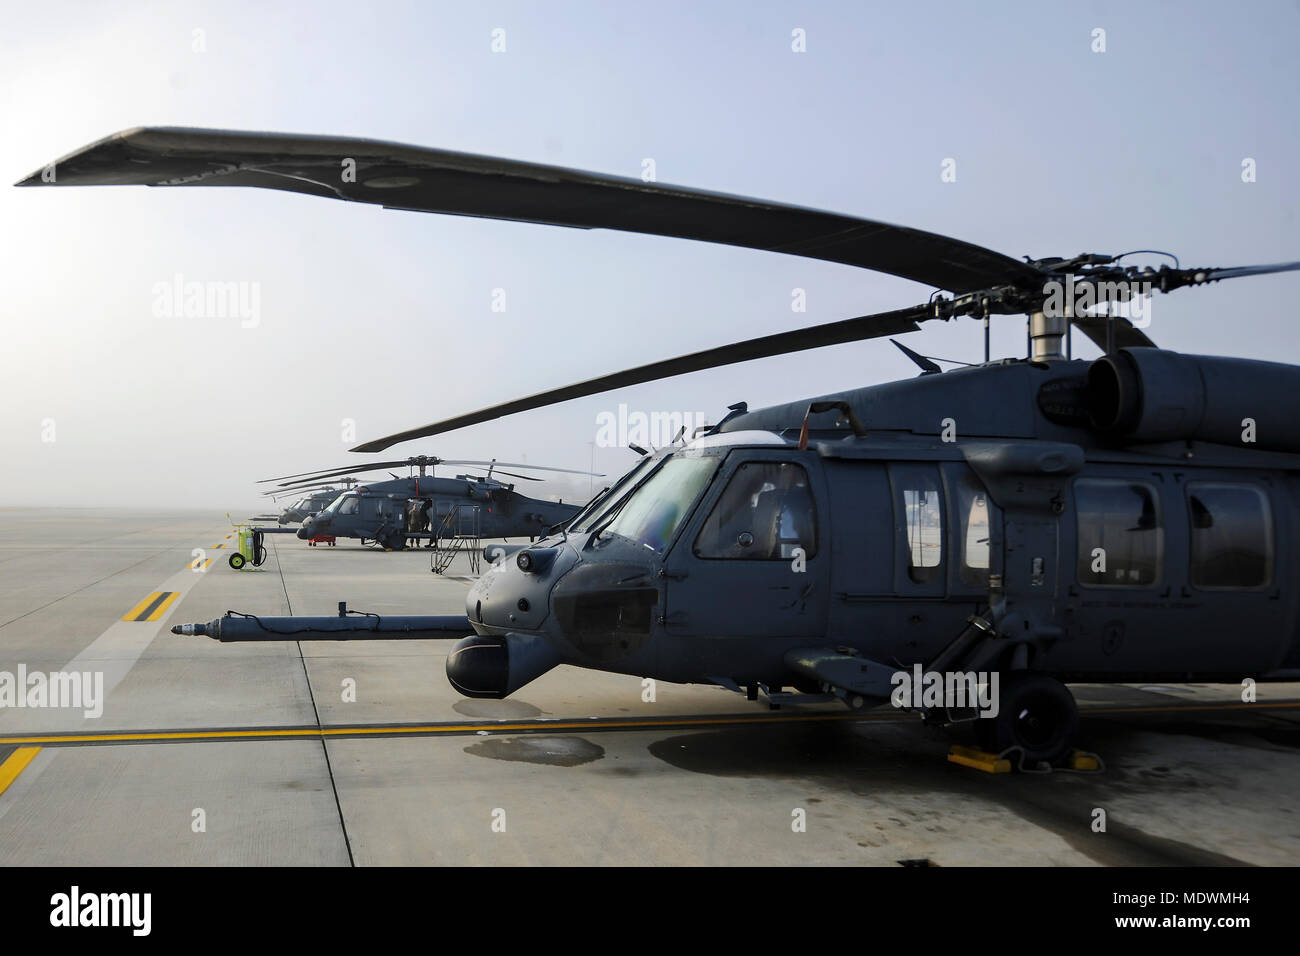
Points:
(1132, 518)
(422, 507)
(314, 501)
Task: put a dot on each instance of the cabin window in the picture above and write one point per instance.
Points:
(1232, 535)
(765, 513)
(350, 506)
(974, 514)
(1121, 541)
(920, 497)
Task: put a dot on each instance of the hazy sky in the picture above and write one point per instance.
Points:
(386, 318)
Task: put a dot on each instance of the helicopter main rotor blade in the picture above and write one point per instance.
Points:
(486, 478)
(383, 465)
(305, 474)
(525, 477)
(1199, 276)
(313, 484)
(276, 492)
(328, 473)
(302, 482)
(523, 464)
(398, 176)
(781, 343)
(374, 465)
(1127, 335)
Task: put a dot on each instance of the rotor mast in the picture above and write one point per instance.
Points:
(1047, 335)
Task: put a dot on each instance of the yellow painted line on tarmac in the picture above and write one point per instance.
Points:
(217, 547)
(197, 566)
(1174, 708)
(589, 724)
(153, 607)
(229, 536)
(292, 733)
(16, 764)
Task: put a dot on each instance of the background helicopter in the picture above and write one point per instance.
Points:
(314, 501)
(424, 507)
(1045, 519)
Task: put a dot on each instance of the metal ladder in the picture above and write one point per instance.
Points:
(461, 528)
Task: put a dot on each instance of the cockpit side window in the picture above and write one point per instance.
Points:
(765, 513)
(350, 506)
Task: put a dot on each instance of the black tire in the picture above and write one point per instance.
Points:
(1036, 713)
(237, 561)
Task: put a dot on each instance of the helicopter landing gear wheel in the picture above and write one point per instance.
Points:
(1036, 713)
(237, 561)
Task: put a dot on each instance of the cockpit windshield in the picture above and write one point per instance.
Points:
(587, 518)
(652, 514)
(335, 505)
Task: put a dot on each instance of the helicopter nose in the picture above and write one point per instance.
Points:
(497, 666)
(305, 531)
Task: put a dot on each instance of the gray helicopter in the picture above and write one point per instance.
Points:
(1128, 519)
(423, 507)
(314, 501)
(304, 508)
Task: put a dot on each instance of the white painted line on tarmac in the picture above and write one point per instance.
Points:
(112, 654)
(16, 790)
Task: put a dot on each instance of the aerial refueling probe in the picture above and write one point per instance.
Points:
(347, 626)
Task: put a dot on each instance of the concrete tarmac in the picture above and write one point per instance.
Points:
(326, 753)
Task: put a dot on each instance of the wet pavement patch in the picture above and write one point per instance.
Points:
(551, 751)
(496, 709)
(840, 752)
(889, 761)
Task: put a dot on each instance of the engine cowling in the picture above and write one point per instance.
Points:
(1153, 395)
